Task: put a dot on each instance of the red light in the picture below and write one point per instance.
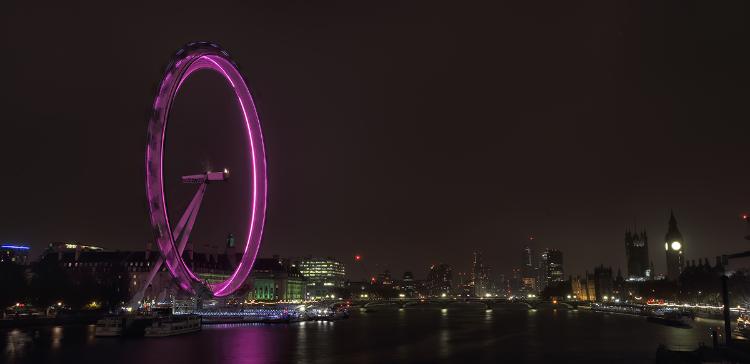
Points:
(372, 279)
(744, 217)
(358, 257)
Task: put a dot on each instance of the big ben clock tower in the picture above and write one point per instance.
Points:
(674, 245)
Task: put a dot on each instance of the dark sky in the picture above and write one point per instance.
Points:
(409, 132)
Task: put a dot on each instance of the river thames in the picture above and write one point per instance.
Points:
(398, 336)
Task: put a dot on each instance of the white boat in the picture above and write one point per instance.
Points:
(173, 325)
(109, 326)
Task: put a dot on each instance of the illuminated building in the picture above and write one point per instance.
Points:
(674, 245)
(603, 283)
(578, 289)
(553, 266)
(275, 279)
(528, 284)
(636, 251)
(479, 276)
(385, 278)
(14, 253)
(527, 262)
(541, 271)
(590, 287)
(124, 273)
(515, 283)
(439, 280)
(530, 273)
(585, 288)
(324, 276)
(462, 284)
(71, 245)
(409, 286)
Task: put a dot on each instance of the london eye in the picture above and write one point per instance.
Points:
(170, 239)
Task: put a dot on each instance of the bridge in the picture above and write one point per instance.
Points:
(490, 303)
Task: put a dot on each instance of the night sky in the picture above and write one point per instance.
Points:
(408, 132)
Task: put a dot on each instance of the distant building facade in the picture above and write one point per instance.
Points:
(275, 279)
(325, 276)
(439, 280)
(636, 251)
(580, 290)
(409, 285)
(479, 276)
(530, 272)
(14, 253)
(122, 274)
(603, 283)
(553, 266)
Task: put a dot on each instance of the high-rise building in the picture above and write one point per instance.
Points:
(529, 271)
(636, 251)
(673, 244)
(479, 277)
(515, 283)
(527, 258)
(438, 281)
(324, 276)
(541, 271)
(409, 286)
(553, 266)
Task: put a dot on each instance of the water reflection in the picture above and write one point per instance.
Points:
(90, 334)
(16, 343)
(57, 334)
(429, 335)
(249, 345)
(301, 346)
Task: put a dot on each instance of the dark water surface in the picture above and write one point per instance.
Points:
(405, 336)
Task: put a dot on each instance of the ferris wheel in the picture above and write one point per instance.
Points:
(172, 240)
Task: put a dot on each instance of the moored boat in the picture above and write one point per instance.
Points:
(670, 318)
(109, 326)
(173, 325)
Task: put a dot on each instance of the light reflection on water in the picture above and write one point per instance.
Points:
(57, 334)
(16, 343)
(409, 335)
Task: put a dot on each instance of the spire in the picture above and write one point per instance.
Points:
(651, 266)
(673, 234)
(672, 220)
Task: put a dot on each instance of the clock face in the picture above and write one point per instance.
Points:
(676, 245)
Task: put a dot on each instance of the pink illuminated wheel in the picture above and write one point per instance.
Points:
(191, 58)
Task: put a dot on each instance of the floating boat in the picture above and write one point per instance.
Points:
(109, 326)
(670, 318)
(173, 325)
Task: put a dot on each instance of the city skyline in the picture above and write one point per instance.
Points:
(461, 263)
